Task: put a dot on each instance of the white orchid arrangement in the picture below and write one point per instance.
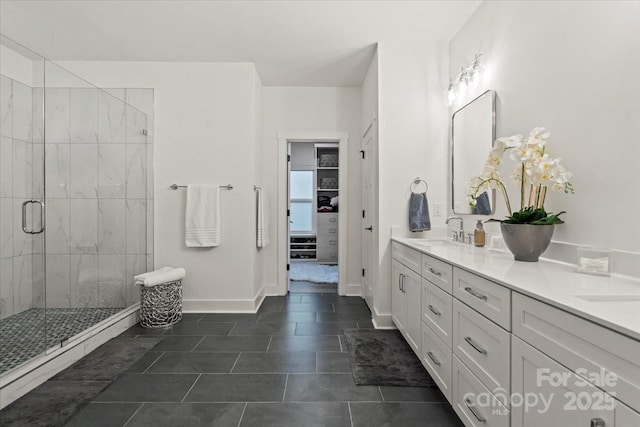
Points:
(537, 171)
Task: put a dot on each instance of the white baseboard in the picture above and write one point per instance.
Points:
(20, 381)
(225, 305)
(271, 290)
(382, 321)
(354, 290)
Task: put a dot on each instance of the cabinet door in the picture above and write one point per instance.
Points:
(412, 287)
(568, 399)
(398, 299)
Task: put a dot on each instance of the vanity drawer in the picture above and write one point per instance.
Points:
(438, 272)
(467, 390)
(407, 256)
(437, 309)
(436, 358)
(485, 296)
(483, 346)
(581, 346)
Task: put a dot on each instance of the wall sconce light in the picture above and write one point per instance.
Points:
(467, 75)
(451, 94)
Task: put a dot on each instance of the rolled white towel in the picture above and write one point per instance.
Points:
(140, 278)
(162, 275)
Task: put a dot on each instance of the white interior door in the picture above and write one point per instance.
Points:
(288, 215)
(368, 144)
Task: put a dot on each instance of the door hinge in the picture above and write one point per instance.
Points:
(362, 153)
(288, 267)
(288, 157)
(363, 215)
(363, 272)
(288, 213)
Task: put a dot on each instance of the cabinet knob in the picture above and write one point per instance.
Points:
(597, 422)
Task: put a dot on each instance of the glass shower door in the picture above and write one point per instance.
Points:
(22, 220)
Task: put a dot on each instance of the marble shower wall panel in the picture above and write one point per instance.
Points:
(6, 166)
(111, 117)
(22, 112)
(57, 173)
(111, 171)
(84, 226)
(84, 280)
(83, 167)
(111, 280)
(57, 107)
(136, 229)
(6, 287)
(6, 107)
(136, 171)
(84, 116)
(111, 226)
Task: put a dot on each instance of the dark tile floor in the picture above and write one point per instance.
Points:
(284, 366)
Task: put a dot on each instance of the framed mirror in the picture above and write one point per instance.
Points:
(473, 131)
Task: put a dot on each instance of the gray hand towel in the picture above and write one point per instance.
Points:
(419, 212)
(483, 206)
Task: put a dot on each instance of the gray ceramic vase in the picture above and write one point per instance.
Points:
(526, 241)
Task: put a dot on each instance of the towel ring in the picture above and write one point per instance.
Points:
(418, 181)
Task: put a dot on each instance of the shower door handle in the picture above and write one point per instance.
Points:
(24, 217)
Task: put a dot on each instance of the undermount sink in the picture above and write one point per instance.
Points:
(610, 298)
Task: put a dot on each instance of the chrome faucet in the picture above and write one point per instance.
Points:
(459, 235)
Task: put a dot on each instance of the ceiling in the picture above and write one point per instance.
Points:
(292, 43)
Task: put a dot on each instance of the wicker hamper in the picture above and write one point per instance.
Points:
(161, 305)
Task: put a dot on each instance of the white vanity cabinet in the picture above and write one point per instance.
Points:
(554, 395)
(406, 303)
(503, 359)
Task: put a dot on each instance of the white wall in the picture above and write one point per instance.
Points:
(205, 132)
(573, 68)
(412, 141)
(321, 110)
(18, 67)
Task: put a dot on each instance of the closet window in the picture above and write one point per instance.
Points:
(301, 196)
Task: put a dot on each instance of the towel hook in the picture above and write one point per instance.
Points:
(417, 181)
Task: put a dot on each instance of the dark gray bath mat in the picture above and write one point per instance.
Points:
(109, 361)
(383, 357)
(55, 402)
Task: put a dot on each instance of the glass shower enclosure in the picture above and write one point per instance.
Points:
(75, 205)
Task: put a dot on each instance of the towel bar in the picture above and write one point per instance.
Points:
(176, 186)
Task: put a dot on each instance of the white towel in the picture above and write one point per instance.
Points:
(262, 224)
(161, 275)
(202, 223)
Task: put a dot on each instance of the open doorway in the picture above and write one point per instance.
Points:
(313, 206)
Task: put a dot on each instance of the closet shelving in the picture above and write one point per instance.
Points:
(303, 248)
(327, 187)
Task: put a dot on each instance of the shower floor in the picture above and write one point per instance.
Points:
(22, 336)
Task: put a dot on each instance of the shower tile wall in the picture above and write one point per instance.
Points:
(98, 160)
(17, 249)
(99, 196)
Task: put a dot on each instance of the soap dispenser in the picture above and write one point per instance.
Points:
(479, 235)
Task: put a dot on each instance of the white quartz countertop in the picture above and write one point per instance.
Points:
(613, 302)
